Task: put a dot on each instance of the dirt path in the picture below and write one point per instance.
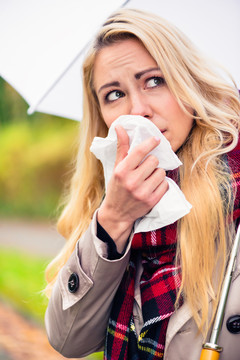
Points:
(22, 340)
(35, 237)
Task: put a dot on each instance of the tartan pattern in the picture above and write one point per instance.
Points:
(233, 161)
(158, 285)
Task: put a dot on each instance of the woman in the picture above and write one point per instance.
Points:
(148, 299)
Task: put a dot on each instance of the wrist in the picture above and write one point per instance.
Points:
(118, 230)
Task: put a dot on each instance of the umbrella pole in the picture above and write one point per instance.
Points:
(211, 351)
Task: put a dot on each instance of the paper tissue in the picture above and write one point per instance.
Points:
(173, 204)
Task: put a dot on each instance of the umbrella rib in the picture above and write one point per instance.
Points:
(125, 3)
(32, 108)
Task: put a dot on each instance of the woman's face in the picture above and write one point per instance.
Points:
(128, 81)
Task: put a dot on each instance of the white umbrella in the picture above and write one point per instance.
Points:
(42, 42)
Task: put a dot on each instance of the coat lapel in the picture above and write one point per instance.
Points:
(183, 314)
(176, 322)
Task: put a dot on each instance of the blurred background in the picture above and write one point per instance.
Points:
(36, 151)
(36, 154)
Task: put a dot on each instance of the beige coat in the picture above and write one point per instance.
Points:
(76, 322)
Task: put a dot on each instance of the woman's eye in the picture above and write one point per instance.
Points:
(114, 95)
(155, 81)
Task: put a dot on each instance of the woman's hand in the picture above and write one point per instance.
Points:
(135, 187)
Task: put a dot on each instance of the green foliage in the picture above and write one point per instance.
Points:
(34, 161)
(21, 285)
(35, 155)
(21, 282)
(12, 106)
(96, 356)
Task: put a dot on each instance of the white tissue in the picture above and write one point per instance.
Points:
(173, 204)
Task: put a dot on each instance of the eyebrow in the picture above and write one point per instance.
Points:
(114, 83)
(141, 73)
(137, 76)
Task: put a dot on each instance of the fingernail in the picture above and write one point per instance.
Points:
(157, 138)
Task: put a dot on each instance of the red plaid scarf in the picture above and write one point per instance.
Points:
(233, 160)
(159, 281)
(158, 284)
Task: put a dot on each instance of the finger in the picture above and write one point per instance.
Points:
(138, 154)
(149, 186)
(122, 144)
(152, 190)
(147, 167)
(159, 192)
(157, 177)
(146, 191)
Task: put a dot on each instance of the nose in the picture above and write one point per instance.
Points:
(139, 105)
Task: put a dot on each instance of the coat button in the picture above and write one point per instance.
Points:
(73, 283)
(233, 324)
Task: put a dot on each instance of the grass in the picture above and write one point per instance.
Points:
(21, 282)
(21, 285)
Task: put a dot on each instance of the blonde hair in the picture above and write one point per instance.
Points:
(203, 235)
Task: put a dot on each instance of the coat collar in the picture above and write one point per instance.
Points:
(176, 322)
(183, 314)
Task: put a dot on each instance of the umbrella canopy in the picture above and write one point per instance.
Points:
(42, 45)
(43, 42)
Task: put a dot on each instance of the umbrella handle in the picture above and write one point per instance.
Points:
(209, 354)
(211, 351)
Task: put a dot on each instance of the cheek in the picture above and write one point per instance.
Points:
(180, 127)
(183, 121)
(107, 116)
(183, 125)
(183, 129)
(107, 121)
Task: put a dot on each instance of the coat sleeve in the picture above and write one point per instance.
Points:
(76, 322)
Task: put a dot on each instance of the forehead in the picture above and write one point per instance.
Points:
(121, 56)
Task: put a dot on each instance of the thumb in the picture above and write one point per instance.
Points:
(122, 144)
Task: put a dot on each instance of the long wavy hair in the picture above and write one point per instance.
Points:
(203, 235)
